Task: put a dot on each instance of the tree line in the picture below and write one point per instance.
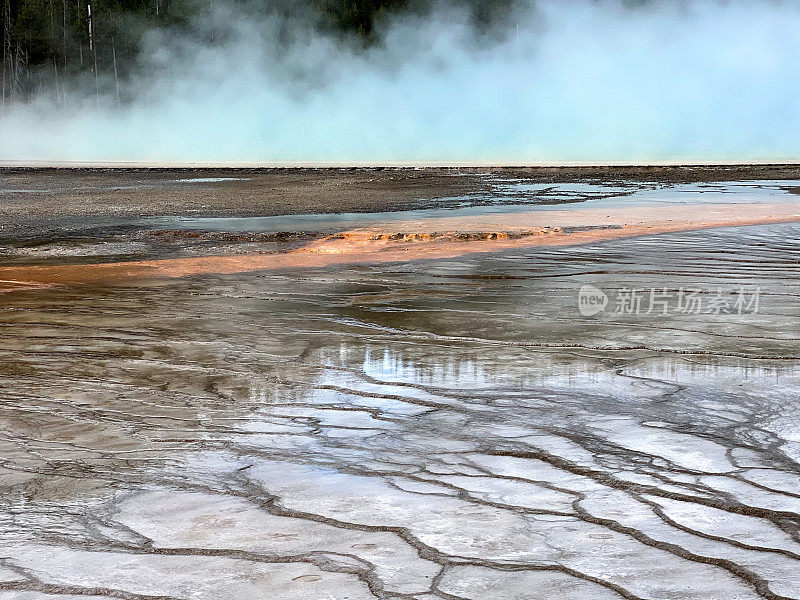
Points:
(48, 44)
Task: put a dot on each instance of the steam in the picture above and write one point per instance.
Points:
(576, 81)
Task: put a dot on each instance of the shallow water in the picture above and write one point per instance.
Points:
(134, 238)
(508, 197)
(444, 428)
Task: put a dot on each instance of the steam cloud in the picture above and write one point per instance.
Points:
(576, 81)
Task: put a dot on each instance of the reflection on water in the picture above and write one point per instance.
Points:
(435, 427)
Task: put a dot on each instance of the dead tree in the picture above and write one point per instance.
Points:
(80, 41)
(93, 49)
(8, 61)
(116, 76)
(19, 68)
(64, 31)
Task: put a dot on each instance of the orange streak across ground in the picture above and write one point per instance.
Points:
(436, 238)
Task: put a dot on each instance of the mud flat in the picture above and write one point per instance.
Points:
(63, 196)
(447, 424)
(433, 237)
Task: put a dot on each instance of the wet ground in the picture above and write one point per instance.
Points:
(449, 428)
(89, 217)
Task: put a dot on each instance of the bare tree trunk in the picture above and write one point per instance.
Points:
(80, 44)
(20, 65)
(64, 15)
(7, 59)
(52, 30)
(116, 77)
(93, 49)
(91, 28)
(52, 41)
(55, 70)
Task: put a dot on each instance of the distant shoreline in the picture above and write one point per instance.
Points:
(673, 173)
(446, 166)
